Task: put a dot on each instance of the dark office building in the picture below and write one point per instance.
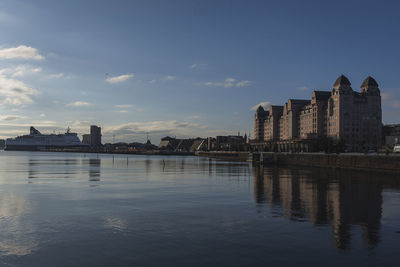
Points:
(95, 136)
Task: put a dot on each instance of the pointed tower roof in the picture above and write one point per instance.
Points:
(342, 80)
(369, 81)
(260, 109)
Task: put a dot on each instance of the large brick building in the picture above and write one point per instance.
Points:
(340, 114)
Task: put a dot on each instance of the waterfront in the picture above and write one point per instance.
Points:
(66, 209)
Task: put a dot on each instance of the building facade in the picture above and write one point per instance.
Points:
(95, 136)
(86, 139)
(391, 134)
(353, 117)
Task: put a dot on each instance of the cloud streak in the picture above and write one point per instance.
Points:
(21, 52)
(78, 104)
(303, 88)
(230, 82)
(120, 79)
(15, 92)
(390, 100)
(265, 105)
(170, 78)
(124, 106)
(11, 117)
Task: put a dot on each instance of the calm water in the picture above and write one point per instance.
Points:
(70, 209)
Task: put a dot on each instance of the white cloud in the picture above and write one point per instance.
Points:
(78, 104)
(123, 106)
(20, 70)
(390, 100)
(386, 96)
(15, 92)
(121, 111)
(198, 66)
(170, 78)
(42, 115)
(243, 83)
(56, 75)
(120, 79)
(265, 105)
(20, 52)
(11, 117)
(155, 128)
(229, 82)
(43, 123)
(77, 123)
(24, 70)
(153, 81)
(303, 88)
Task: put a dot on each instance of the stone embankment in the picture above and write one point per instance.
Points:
(227, 155)
(379, 162)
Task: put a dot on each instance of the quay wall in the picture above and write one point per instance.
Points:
(228, 155)
(344, 161)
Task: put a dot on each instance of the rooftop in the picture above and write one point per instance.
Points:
(369, 81)
(342, 80)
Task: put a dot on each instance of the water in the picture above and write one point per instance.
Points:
(66, 209)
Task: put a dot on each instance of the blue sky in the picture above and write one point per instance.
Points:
(184, 68)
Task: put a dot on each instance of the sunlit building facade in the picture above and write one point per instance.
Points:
(340, 114)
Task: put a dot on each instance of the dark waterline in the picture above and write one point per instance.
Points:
(66, 209)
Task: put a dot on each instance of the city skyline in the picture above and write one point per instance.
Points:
(181, 68)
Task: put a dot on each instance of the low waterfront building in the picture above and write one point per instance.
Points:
(343, 115)
(86, 139)
(183, 145)
(391, 134)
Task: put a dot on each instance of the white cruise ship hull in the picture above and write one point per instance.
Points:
(36, 141)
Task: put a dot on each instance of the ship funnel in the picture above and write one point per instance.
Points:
(33, 131)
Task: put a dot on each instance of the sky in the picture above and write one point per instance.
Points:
(184, 68)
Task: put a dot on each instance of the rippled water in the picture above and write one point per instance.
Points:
(66, 209)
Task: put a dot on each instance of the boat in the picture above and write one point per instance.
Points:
(36, 141)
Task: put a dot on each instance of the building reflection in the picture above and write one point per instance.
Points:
(344, 199)
(94, 169)
(51, 168)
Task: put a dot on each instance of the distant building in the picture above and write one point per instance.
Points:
(95, 136)
(2, 143)
(86, 139)
(168, 143)
(259, 119)
(230, 143)
(182, 145)
(391, 134)
(354, 118)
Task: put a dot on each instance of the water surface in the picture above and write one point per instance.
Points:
(68, 209)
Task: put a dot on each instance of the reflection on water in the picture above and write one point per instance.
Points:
(343, 199)
(94, 168)
(39, 168)
(14, 237)
(68, 209)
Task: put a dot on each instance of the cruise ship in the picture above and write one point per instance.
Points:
(36, 141)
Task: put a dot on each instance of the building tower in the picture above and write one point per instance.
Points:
(340, 107)
(372, 114)
(259, 119)
(95, 136)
